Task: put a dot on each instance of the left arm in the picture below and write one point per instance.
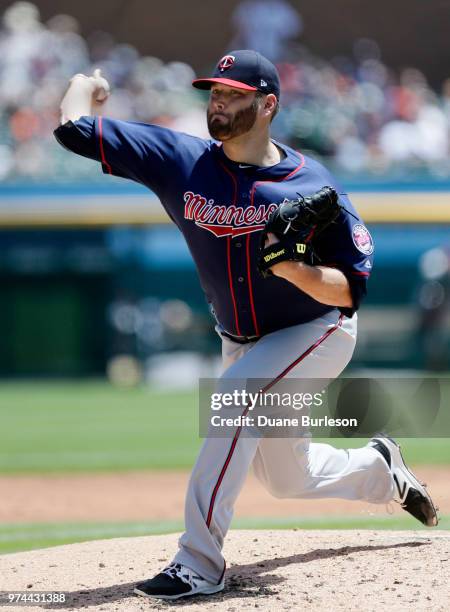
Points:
(344, 248)
(324, 284)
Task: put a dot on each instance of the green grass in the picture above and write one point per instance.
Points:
(21, 537)
(92, 426)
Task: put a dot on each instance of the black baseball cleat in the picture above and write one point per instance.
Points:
(410, 493)
(176, 581)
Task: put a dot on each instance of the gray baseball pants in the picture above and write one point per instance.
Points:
(287, 467)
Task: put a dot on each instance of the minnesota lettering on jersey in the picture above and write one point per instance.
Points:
(224, 220)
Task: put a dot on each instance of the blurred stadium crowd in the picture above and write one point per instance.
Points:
(355, 112)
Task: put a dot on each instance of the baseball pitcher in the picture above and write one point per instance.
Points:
(283, 259)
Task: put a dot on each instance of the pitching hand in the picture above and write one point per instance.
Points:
(98, 85)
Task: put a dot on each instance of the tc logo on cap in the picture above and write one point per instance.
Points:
(226, 62)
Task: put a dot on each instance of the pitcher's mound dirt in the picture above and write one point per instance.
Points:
(270, 570)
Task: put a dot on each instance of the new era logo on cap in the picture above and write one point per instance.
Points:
(244, 69)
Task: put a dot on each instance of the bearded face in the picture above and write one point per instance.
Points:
(225, 125)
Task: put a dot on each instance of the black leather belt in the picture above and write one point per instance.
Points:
(239, 339)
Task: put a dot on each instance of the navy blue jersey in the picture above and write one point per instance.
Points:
(221, 206)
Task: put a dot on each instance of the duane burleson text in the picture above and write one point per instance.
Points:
(264, 421)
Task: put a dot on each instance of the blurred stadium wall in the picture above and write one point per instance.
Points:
(84, 281)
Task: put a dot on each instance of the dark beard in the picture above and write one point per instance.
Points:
(242, 122)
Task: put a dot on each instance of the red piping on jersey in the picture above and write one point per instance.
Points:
(230, 281)
(266, 388)
(284, 178)
(250, 288)
(102, 152)
(311, 234)
(360, 273)
(230, 278)
(252, 195)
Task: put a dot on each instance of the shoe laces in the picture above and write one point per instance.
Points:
(185, 574)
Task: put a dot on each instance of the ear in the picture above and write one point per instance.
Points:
(270, 104)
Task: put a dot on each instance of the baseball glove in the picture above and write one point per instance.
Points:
(297, 223)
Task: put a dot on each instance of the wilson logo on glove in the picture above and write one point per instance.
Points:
(271, 256)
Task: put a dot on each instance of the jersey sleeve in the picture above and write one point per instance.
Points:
(347, 245)
(141, 152)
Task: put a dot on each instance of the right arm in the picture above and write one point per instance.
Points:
(84, 97)
(148, 154)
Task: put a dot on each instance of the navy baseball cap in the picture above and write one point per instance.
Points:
(244, 69)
